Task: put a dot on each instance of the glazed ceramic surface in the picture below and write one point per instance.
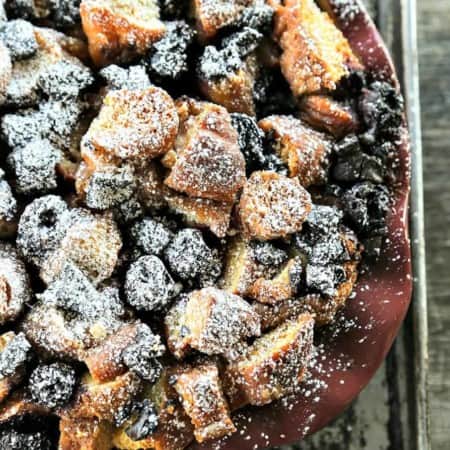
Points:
(349, 353)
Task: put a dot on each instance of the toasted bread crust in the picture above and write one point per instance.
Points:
(274, 365)
(325, 114)
(15, 290)
(120, 31)
(104, 361)
(85, 435)
(316, 55)
(177, 335)
(175, 430)
(235, 92)
(200, 392)
(102, 400)
(209, 162)
(241, 268)
(219, 322)
(212, 15)
(273, 206)
(274, 315)
(278, 289)
(200, 212)
(151, 189)
(140, 124)
(5, 71)
(305, 151)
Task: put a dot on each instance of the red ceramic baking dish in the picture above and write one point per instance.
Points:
(349, 354)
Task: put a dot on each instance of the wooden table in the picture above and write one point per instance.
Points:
(377, 421)
(434, 53)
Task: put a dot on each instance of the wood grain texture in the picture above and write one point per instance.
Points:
(434, 59)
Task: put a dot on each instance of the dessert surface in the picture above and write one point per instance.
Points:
(189, 191)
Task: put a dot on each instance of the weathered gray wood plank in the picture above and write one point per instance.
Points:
(434, 58)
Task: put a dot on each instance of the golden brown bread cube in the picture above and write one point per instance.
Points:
(54, 333)
(105, 360)
(74, 46)
(85, 435)
(7, 383)
(175, 430)
(274, 315)
(218, 322)
(325, 114)
(151, 189)
(201, 212)
(305, 151)
(15, 289)
(50, 332)
(136, 124)
(200, 392)
(241, 268)
(102, 401)
(5, 71)
(198, 212)
(212, 15)
(274, 366)
(316, 55)
(209, 163)
(92, 242)
(120, 30)
(177, 335)
(273, 206)
(280, 288)
(235, 91)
